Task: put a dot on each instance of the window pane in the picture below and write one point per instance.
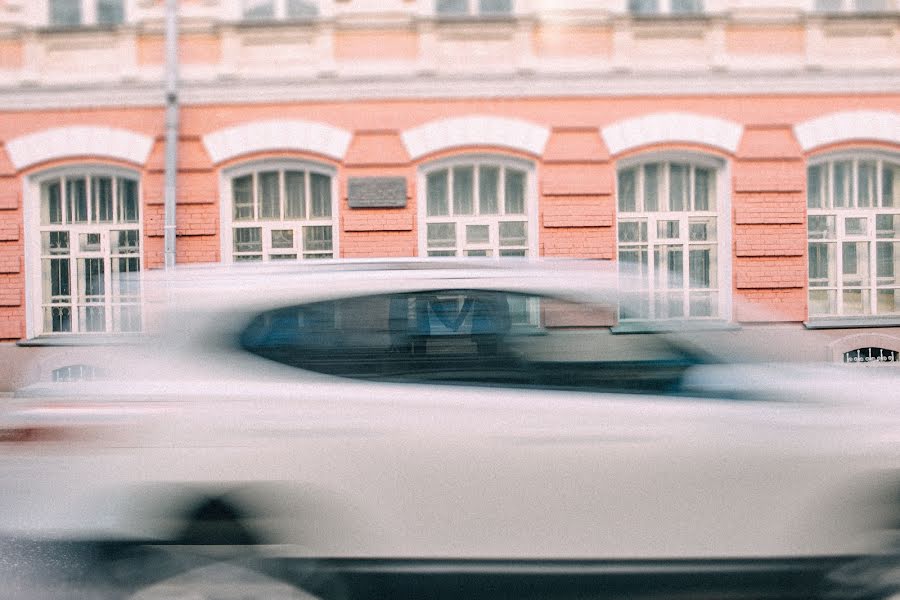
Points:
(822, 265)
(703, 305)
(102, 199)
(282, 238)
(702, 230)
(248, 239)
(269, 195)
(513, 233)
(632, 231)
(856, 302)
(890, 191)
(463, 190)
(669, 267)
(678, 187)
(855, 226)
(642, 7)
(843, 184)
(887, 226)
(441, 235)
(437, 193)
(651, 187)
(89, 242)
(828, 5)
(888, 269)
(110, 12)
(55, 242)
(51, 203)
(317, 239)
(56, 280)
(451, 7)
(687, 6)
(129, 207)
(867, 178)
(888, 302)
(702, 267)
(478, 234)
(668, 230)
(65, 12)
(627, 197)
(301, 8)
(77, 203)
(871, 5)
(242, 195)
(704, 189)
(125, 282)
(822, 302)
(515, 192)
(259, 9)
(294, 195)
(855, 259)
(320, 192)
(495, 7)
(58, 319)
(125, 242)
(488, 188)
(821, 227)
(814, 186)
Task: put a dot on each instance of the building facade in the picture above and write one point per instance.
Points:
(747, 154)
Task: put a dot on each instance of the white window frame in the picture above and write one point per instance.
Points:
(850, 7)
(723, 223)
(841, 235)
(476, 160)
(88, 15)
(267, 225)
(473, 9)
(280, 11)
(34, 285)
(664, 7)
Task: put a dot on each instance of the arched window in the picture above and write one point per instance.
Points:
(853, 203)
(279, 211)
(477, 206)
(670, 234)
(90, 251)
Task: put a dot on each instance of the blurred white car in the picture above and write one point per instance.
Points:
(440, 429)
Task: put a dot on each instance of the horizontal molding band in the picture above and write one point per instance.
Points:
(231, 91)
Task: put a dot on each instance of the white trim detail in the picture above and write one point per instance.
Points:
(672, 127)
(850, 125)
(260, 136)
(475, 131)
(63, 142)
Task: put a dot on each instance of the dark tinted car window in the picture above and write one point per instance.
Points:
(462, 336)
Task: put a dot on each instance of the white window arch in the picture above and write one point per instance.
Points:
(279, 210)
(853, 204)
(84, 251)
(477, 205)
(674, 236)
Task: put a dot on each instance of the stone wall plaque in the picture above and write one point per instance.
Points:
(376, 192)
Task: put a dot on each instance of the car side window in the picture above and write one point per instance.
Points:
(474, 337)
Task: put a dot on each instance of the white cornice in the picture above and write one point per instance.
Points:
(475, 131)
(63, 142)
(261, 136)
(837, 127)
(247, 90)
(672, 127)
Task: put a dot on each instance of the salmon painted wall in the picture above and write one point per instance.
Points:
(575, 177)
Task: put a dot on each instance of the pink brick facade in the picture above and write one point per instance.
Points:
(574, 179)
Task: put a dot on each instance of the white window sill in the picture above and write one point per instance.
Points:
(673, 326)
(83, 339)
(852, 322)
